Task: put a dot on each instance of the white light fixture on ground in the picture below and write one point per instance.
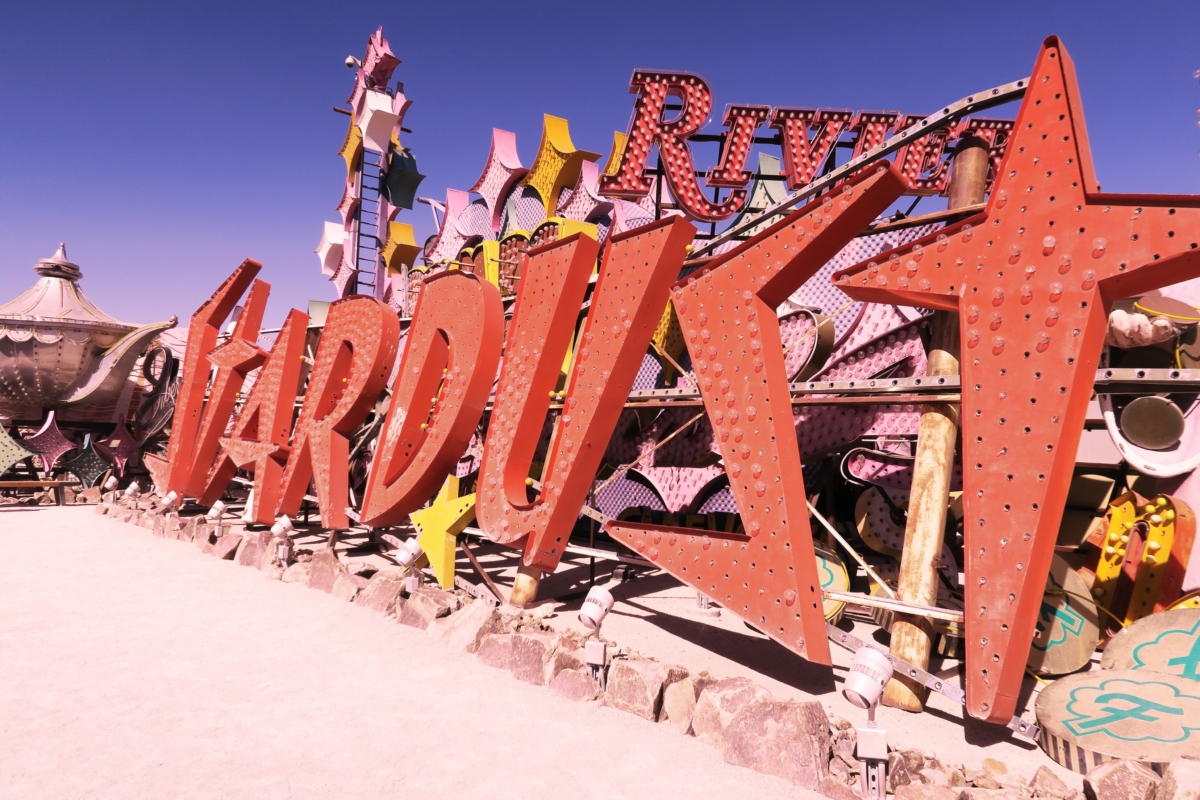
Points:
(215, 513)
(869, 673)
(111, 484)
(596, 605)
(131, 494)
(409, 553)
(282, 530)
(169, 500)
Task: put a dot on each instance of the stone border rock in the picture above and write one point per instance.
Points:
(749, 727)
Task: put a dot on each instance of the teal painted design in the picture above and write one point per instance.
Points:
(1070, 621)
(827, 576)
(1189, 662)
(1110, 709)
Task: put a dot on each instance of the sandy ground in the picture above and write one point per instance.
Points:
(132, 666)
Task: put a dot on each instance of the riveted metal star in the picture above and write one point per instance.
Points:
(1033, 278)
(49, 443)
(87, 464)
(439, 526)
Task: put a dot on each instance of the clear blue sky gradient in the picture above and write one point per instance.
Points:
(165, 144)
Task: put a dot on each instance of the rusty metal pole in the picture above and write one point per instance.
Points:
(912, 637)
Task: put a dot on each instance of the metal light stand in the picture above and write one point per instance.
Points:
(873, 753)
(595, 655)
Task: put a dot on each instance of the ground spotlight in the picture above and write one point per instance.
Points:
(869, 673)
(216, 512)
(596, 605)
(409, 552)
(282, 527)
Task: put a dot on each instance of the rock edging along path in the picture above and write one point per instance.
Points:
(747, 725)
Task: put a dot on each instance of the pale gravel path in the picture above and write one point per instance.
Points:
(132, 666)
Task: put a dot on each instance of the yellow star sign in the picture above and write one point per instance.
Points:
(438, 527)
(401, 249)
(557, 164)
(351, 149)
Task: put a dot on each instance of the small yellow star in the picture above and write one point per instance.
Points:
(438, 527)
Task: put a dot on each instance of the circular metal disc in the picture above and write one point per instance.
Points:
(833, 574)
(1154, 423)
(1175, 310)
(1092, 717)
(1068, 627)
(1167, 642)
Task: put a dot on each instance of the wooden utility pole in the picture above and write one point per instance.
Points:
(525, 586)
(924, 533)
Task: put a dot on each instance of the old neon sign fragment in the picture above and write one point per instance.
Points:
(807, 138)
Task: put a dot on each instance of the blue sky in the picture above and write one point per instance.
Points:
(165, 143)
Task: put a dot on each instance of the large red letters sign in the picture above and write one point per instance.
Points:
(626, 306)
(648, 129)
(354, 360)
(443, 385)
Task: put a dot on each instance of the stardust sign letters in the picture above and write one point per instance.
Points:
(1032, 278)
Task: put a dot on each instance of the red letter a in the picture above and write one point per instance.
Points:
(260, 434)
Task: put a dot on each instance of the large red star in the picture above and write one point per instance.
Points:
(1033, 278)
(768, 575)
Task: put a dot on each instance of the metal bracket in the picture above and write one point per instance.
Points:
(1021, 727)
(476, 591)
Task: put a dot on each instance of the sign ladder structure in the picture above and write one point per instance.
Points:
(366, 224)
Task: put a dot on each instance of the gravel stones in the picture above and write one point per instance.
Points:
(1121, 780)
(719, 703)
(635, 685)
(787, 739)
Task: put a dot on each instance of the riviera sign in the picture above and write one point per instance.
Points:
(806, 136)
